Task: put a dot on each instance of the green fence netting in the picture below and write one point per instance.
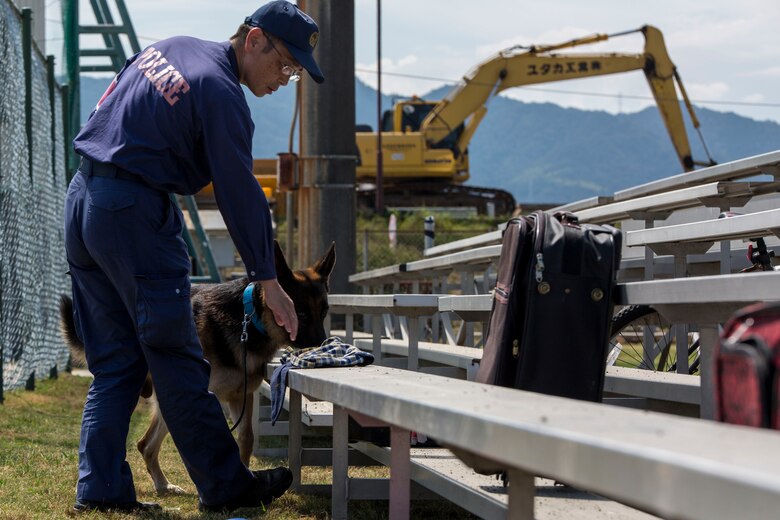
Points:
(32, 189)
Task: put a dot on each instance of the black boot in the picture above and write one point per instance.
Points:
(267, 485)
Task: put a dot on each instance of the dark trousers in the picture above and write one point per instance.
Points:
(131, 288)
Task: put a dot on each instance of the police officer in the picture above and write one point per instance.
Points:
(174, 119)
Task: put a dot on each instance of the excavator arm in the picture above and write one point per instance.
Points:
(466, 103)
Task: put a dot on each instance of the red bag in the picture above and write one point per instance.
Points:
(747, 368)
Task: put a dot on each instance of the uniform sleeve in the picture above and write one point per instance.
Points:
(227, 140)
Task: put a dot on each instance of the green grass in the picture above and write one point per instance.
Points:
(632, 354)
(39, 434)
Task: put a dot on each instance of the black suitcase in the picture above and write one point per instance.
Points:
(549, 326)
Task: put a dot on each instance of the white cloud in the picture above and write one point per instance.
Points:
(405, 61)
(753, 98)
(704, 36)
(394, 84)
(707, 92)
(769, 72)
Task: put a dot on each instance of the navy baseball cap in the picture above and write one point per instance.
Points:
(295, 28)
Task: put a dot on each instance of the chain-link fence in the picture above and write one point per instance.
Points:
(32, 188)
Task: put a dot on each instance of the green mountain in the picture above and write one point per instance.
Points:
(540, 152)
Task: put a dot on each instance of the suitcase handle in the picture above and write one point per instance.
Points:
(567, 218)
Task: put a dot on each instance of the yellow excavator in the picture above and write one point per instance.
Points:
(425, 143)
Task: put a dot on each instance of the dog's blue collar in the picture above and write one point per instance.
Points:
(250, 314)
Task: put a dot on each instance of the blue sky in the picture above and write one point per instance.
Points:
(727, 52)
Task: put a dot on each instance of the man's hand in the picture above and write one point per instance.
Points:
(281, 306)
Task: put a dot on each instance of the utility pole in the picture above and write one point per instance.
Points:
(326, 198)
(379, 204)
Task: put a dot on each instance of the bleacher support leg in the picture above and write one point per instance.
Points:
(467, 286)
(521, 495)
(472, 370)
(294, 439)
(681, 330)
(400, 473)
(649, 257)
(350, 326)
(725, 257)
(707, 337)
(414, 330)
(340, 488)
(376, 342)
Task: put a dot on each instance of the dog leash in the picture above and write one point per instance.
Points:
(250, 316)
(246, 382)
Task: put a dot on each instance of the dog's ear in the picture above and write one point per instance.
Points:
(283, 271)
(324, 266)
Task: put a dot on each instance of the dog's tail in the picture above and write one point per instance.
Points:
(71, 337)
(68, 331)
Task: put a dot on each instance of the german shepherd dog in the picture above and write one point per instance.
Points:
(219, 314)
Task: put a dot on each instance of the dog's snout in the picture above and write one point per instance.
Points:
(310, 338)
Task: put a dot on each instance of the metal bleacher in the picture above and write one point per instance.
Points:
(654, 462)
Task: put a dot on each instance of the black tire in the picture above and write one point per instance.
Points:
(628, 349)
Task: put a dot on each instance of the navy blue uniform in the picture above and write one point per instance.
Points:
(174, 120)
(178, 118)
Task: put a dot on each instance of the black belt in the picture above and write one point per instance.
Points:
(91, 168)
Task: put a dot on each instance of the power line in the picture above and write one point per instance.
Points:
(582, 93)
(629, 96)
(547, 90)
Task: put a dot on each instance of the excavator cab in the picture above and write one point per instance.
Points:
(408, 116)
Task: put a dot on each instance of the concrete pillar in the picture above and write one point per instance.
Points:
(326, 198)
